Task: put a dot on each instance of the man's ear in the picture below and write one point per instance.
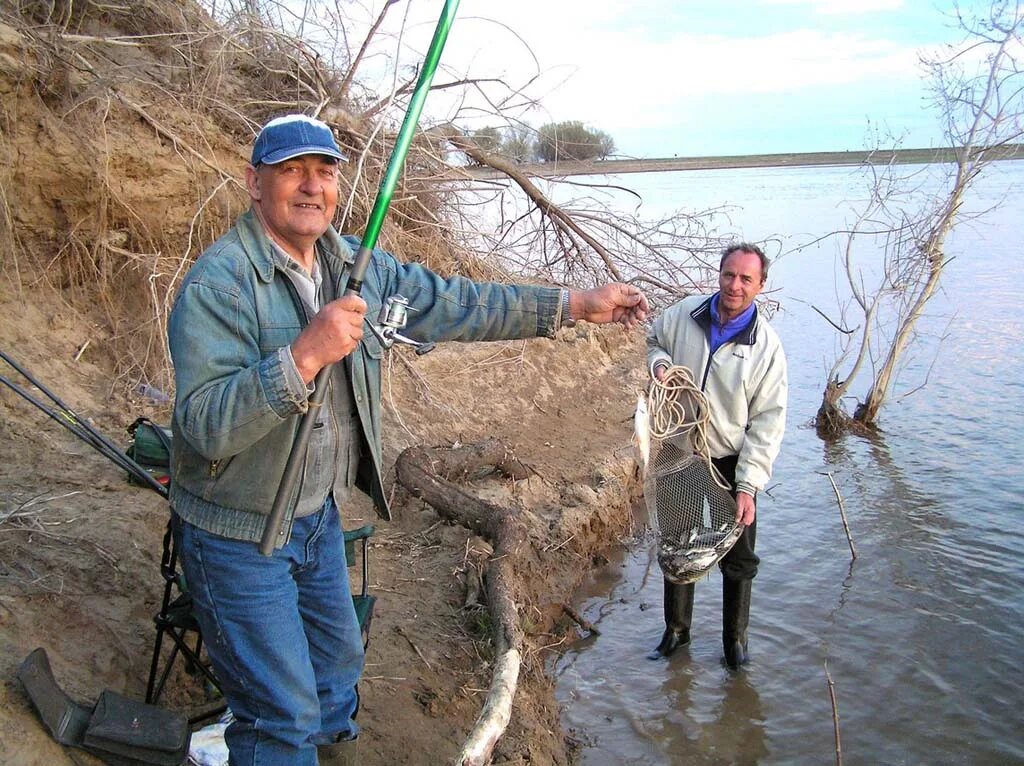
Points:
(252, 183)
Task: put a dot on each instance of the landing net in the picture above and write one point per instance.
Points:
(689, 504)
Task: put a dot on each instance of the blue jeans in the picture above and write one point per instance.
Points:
(282, 635)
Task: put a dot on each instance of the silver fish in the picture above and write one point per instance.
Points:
(642, 433)
(689, 558)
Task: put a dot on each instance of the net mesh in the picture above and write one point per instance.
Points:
(692, 514)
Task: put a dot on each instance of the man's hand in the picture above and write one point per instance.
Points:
(332, 335)
(745, 509)
(614, 302)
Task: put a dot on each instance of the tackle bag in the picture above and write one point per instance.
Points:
(151, 444)
(150, 447)
(117, 730)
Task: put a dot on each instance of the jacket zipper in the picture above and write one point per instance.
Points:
(707, 367)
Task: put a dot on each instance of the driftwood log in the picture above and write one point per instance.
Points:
(430, 474)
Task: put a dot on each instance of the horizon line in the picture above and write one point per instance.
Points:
(725, 161)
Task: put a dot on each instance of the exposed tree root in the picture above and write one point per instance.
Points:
(424, 472)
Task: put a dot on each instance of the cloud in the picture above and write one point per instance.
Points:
(663, 80)
(649, 65)
(841, 7)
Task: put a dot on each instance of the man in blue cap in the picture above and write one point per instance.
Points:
(258, 315)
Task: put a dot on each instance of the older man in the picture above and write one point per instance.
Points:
(738, 361)
(258, 315)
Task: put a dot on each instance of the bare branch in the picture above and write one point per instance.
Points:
(354, 66)
(840, 329)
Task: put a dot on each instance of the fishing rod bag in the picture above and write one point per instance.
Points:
(117, 730)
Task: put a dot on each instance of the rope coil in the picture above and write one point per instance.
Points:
(678, 408)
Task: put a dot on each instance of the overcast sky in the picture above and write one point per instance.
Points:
(693, 77)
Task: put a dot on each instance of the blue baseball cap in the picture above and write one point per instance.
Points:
(291, 136)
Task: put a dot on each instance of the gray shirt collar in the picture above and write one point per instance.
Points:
(306, 285)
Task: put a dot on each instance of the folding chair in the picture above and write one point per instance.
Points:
(176, 622)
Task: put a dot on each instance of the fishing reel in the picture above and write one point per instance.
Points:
(394, 316)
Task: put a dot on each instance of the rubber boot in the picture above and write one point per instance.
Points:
(678, 613)
(735, 618)
(344, 753)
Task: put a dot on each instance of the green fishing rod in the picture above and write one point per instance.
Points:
(297, 456)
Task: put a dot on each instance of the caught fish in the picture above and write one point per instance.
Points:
(693, 516)
(642, 433)
(683, 567)
(690, 557)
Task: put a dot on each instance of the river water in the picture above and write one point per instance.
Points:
(922, 634)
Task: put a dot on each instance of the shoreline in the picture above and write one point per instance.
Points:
(724, 162)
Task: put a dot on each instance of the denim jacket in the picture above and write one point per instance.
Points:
(238, 406)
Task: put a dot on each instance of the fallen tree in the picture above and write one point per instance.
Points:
(587, 240)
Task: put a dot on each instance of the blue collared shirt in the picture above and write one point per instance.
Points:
(723, 333)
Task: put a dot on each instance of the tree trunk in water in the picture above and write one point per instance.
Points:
(831, 420)
(867, 411)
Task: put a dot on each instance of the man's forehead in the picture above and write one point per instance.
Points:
(742, 260)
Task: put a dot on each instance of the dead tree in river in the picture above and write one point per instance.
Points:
(979, 87)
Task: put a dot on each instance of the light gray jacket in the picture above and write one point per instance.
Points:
(745, 382)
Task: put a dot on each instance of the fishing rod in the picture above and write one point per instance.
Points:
(393, 315)
(70, 420)
(60, 418)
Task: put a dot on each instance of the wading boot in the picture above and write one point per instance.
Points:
(678, 613)
(735, 618)
(344, 753)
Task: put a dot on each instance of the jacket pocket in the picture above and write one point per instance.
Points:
(372, 346)
(273, 338)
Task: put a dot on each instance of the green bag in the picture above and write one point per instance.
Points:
(151, 444)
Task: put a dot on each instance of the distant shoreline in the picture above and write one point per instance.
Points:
(795, 159)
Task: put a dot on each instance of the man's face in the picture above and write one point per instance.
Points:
(295, 199)
(739, 282)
